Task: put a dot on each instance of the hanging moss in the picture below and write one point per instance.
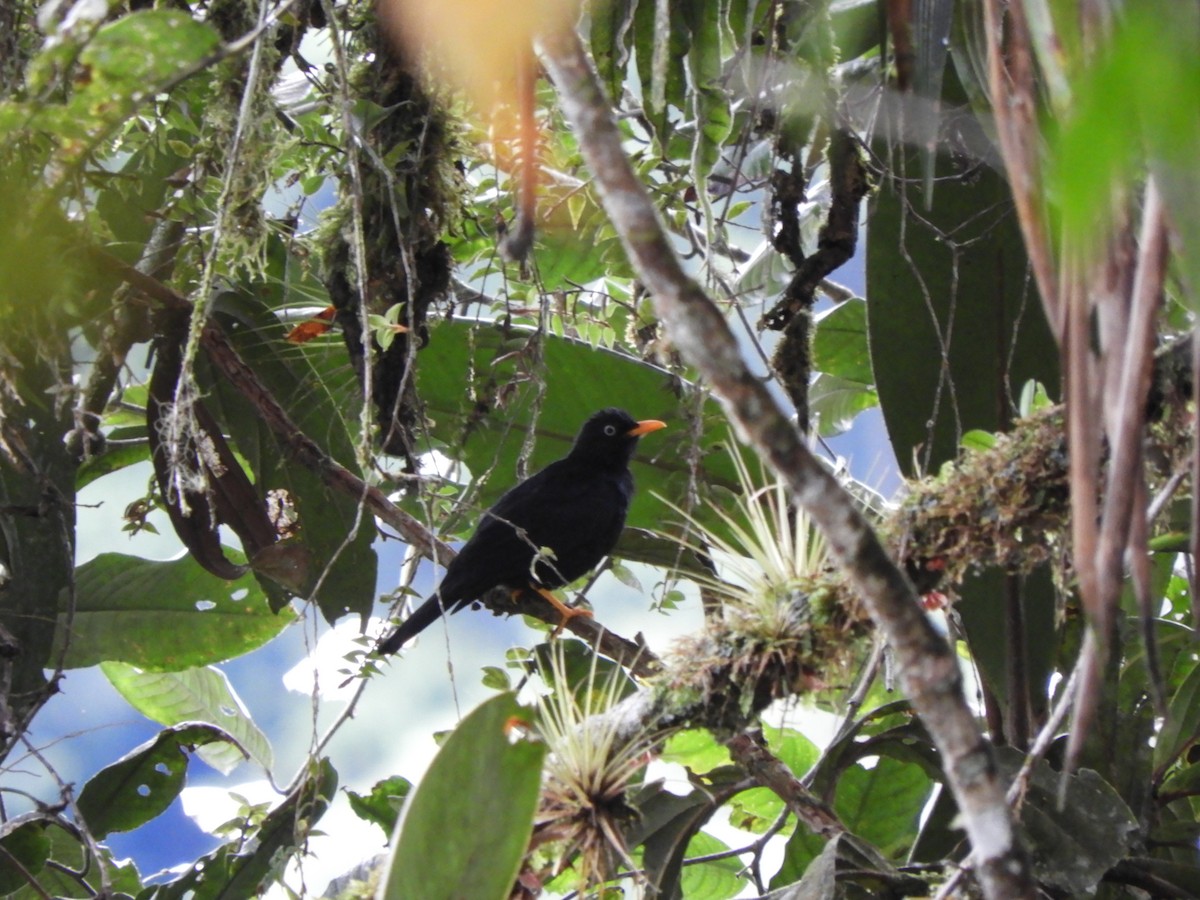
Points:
(411, 196)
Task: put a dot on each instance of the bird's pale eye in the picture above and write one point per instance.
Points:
(610, 430)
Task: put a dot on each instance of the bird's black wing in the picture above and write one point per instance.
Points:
(573, 511)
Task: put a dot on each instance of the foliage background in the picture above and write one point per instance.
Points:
(162, 137)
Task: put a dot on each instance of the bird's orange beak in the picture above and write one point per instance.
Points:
(645, 427)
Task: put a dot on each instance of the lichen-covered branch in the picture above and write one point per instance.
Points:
(929, 669)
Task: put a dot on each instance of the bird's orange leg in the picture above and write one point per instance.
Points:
(568, 612)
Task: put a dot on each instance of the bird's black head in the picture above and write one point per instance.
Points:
(609, 437)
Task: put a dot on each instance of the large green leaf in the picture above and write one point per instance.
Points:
(479, 384)
(316, 388)
(465, 829)
(162, 616)
(143, 783)
(883, 804)
(718, 879)
(61, 863)
(954, 320)
(1183, 722)
(194, 695)
(982, 609)
(1074, 846)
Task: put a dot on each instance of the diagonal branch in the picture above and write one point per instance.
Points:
(748, 750)
(309, 454)
(699, 331)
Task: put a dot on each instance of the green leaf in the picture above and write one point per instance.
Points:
(719, 879)
(195, 695)
(665, 826)
(661, 89)
(1139, 98)
(113, 459)
(495, 678)
(840, 343)
(144, 48)
(318, 391)
(983, 612)
(954, 322)
(697, 749)
(124, 60)
(382, 805)
(625, 575)
(834, 402)
(798, 854)
(465, 830)
(26, 844)
(1072, 847)
(573, 665)
(978, 439)
(1183, 877)
(74, 872)
(468, 368)
(1183, 722)
(845, 858)
(162, 616)
(1184, 782)
(609, 36)
(712, 113)
(576, 244)
(883, 804)
(142, 784)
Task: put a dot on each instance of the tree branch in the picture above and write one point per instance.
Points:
(309, 454)
(699, 331)
(770, 771)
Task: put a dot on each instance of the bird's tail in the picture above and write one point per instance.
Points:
(422, 617)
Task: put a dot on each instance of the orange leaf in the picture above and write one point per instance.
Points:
(315, 327)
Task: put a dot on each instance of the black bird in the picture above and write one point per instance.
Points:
(575, 507)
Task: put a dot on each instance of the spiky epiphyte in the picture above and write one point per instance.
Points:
(784, 609)
(592, 760)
